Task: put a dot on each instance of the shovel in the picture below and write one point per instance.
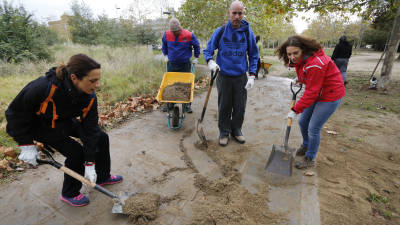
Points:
(119, 200)
(282, 157)
(199, 126)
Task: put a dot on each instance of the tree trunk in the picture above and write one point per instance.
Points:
(393, 44)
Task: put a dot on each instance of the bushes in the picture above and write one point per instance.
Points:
(21, 37)
(87, 30)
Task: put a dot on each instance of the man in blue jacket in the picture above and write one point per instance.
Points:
(177, 47)
(237, 55)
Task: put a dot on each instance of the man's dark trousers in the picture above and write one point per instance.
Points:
(232, 97)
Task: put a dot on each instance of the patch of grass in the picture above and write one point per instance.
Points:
(374, 197)
(360, 97)
(356, 139)
(387, 215)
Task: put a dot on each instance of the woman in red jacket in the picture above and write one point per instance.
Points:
(323, 93)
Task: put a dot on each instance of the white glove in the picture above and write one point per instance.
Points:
(166, 58)
(291, 114)
(250, 82)
(195, 60)
(212, 65)
(295, 80)
(90, 172)
(28, 154)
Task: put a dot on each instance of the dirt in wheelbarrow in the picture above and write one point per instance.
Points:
(178, 91)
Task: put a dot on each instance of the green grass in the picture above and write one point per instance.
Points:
(360, 97)
(374, 197)
(126, 72)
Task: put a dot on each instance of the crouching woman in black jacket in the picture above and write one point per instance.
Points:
(55, 107)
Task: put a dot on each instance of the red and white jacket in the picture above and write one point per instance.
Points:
(322, 78)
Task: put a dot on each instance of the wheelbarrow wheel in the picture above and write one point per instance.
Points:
(175, 116)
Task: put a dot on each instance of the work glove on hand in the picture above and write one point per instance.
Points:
(28, 154)
(250, 82)
(90, 172)
(195, 60)
(212, 65)
(166, 58)
(291, 114)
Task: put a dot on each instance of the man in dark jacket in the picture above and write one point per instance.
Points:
(237, 55)
(341, 55)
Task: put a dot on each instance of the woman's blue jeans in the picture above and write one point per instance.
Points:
(311, 121)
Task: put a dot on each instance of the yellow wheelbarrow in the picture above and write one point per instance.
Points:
(176, 114)
(265, 67)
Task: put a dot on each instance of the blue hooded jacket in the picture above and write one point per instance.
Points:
(232, 48)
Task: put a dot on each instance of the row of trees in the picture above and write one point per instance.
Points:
(88, 30)
(203, 16)
(23, 38)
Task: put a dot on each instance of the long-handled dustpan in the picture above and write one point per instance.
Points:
(119, 200)
(199, 126)
(282, 157)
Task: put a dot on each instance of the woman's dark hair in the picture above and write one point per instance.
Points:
(307, 45)
(79, 64)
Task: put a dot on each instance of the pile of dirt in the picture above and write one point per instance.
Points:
(142, 208)
(225, 202)
(177, 92)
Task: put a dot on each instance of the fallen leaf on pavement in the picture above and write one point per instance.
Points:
(309, 173)
(331, 132)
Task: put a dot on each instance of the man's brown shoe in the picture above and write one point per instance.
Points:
(240, 139)
(223, 141)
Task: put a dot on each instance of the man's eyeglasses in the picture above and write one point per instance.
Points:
(237, 13)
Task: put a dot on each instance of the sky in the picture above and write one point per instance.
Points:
(44, 10)
(53, 9)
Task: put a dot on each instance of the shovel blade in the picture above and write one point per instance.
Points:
(120, 202)
(200, 132)
(280, 161)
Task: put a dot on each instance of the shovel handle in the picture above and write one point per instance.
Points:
(213, 76)
(77, 176)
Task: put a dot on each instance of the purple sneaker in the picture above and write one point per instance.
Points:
(79, 200)
(113, 179)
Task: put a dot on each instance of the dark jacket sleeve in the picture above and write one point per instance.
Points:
(91, 132)
(21, 112)
(335, 52)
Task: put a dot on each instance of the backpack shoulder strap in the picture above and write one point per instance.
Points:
(220, 33)
(51, 89)
(87, 109)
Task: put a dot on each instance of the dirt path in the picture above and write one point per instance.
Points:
(359, 166)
